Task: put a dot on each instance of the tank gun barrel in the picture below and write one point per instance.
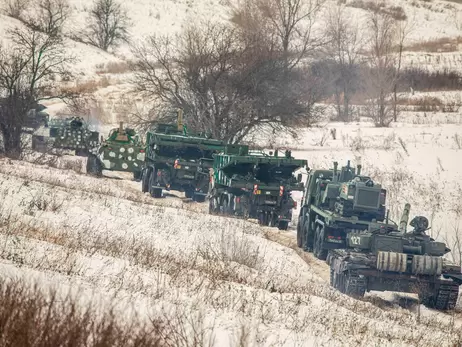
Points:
(404, 218)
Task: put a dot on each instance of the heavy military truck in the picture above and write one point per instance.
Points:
(255, 185)
(122, 150)
(178, 160)
(336, 202)
(400, 261)
(70, 133)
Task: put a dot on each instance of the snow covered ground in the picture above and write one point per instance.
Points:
(106, 239)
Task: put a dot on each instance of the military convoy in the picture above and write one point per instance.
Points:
(342, 218)
(254, 185)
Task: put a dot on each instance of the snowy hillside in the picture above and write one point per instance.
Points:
(155, 258)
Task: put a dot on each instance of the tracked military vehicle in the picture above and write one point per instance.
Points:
(71, 133)
(399, 261)
(335, 203)
(121, 151)
(178, 160)
(254, 185)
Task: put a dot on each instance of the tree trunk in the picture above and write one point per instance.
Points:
(11, 141)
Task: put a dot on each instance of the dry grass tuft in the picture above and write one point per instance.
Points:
(113, 67)
(443, 44)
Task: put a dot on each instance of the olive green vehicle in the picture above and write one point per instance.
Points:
(384, 260)
(121, 151)
(335, 203)
(253, 184)
(70, 133)
(178, 160)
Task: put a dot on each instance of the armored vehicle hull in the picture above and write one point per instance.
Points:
(254, 185)
(396, 261)
(121, 151)
(67, 134)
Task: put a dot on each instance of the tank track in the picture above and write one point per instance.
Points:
(443, 299)
(356, 285)
(446, 298)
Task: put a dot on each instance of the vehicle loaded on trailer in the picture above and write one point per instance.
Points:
(255, 185)
(70, 133)
(121, 151)
(178, 160)
(338, 202)
(397, 260)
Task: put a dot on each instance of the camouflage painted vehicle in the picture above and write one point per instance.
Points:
(121, 151)
(255, 185)
(70, 133)
(400, 261)
(336, 203)
(178, 160)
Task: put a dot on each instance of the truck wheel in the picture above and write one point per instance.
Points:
(94, 167)
(283, 225)
(319, 252)
(146, 176)
(299, 232)
(262, 218)
(307, 237)
(189, 192)
(137, 176)
(198, 198)
(156, 192)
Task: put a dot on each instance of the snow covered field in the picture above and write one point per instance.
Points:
(106, 239)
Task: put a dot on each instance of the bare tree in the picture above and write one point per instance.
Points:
(345, 45)
(27, 70)
(404, 28)
(15, 8)
(49, 16)
(226, 83)
(381, 75)
(290, 21)
(107, 25)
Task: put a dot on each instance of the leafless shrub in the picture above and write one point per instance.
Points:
(396, 12)
(49, 16)
(403, 145)
(323, 138)
(443, 44)
(424, 104)
(15, 8)
(31, 316)
(113, 68)
(232, 248)
(458, 141)
(107, 25)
